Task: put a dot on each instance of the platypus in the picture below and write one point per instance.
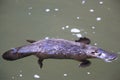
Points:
(79, 50)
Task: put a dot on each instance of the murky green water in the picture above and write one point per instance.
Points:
(36, 19)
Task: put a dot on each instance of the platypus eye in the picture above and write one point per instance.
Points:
(93, 53)
(99, 54)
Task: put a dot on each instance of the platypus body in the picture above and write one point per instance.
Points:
(79, 50)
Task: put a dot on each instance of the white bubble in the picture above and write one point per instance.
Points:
(13, 77)
(98, 18)
(20, 75)
(78, 35)
(91, 10)
(95, 44)
(67, 26)
(101, 2)
(75, 30)
(46, 37)
(36, 76)
(78, 17)
(93, 27)
(29, 13)
(65, 75)
(56, 9)
(63, 28)
(29, 8)
(47, 10)
(88, 73)
(83, 1)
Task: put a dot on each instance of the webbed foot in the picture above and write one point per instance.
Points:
(40, 62)
(31, 41)
(85, 63)
(83, 40)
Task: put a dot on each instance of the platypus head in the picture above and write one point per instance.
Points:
(107, 56)
(95, 52)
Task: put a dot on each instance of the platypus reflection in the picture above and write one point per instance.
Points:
(79, 50)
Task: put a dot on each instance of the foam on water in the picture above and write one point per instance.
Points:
(47, 10)
(21, 75)
(95, 44)
(91, 10)
(78, 17)
(29, 9)
(67, 26)
(88, 73)
(56, 9)
(101, 2)
(46, 37)
(78, 35)
(13, 77)
(65, 75)
(98, 18)
(63, 28)
(75, 30)
(93, 27)
(36, 76)
(83, 1)
(29, 13)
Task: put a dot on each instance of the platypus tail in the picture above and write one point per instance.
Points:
(14, 54)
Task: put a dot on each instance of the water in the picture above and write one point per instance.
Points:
(37, 19)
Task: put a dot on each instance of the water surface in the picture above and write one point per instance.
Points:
(69, 19)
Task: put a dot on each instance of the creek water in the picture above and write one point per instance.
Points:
(98, 20)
